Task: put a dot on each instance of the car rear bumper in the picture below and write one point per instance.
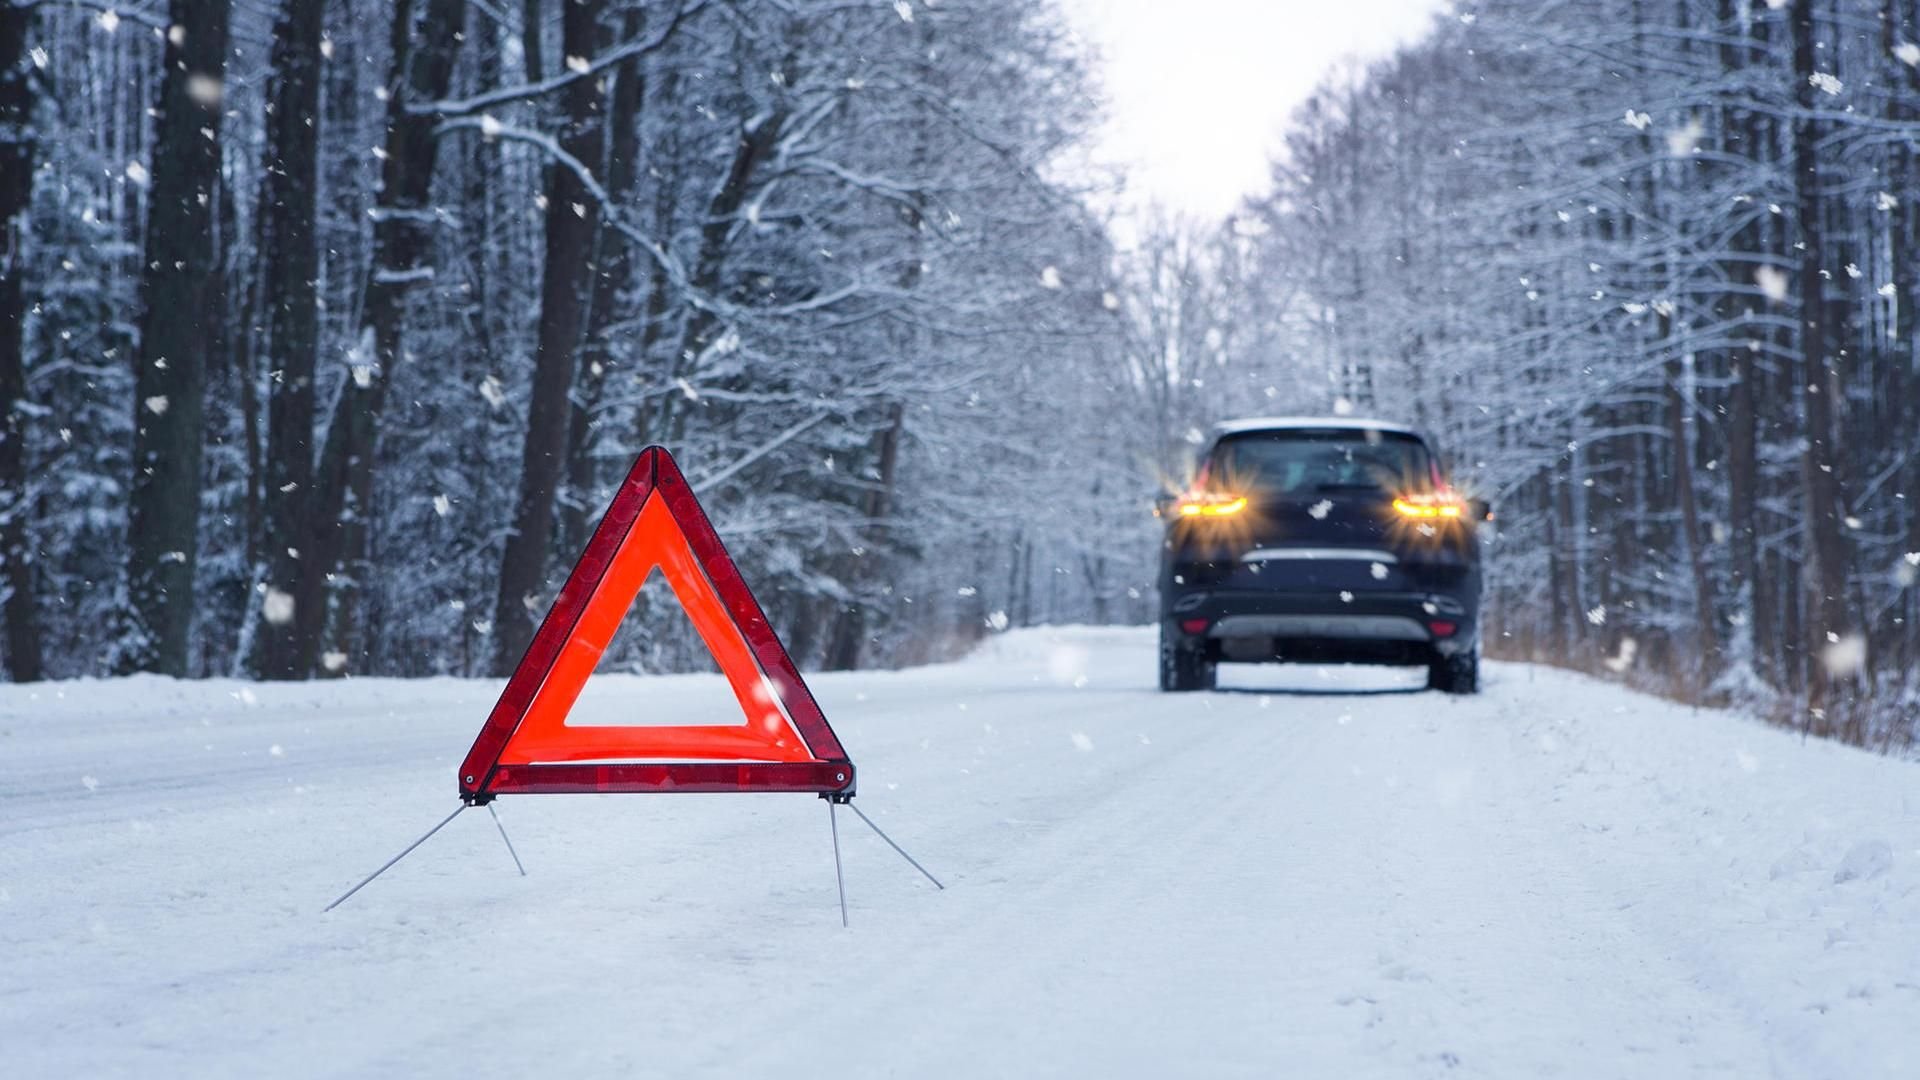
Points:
(1360, 627)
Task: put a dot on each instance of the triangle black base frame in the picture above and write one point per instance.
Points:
(833, 823)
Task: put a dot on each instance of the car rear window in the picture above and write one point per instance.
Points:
(1315, 462)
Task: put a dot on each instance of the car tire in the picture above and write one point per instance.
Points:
(1455, 674)
(1184, 670)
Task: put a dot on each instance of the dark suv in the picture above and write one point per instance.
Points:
(1332, 541)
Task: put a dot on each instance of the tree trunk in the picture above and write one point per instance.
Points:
(1743, 133)
(402, 250)
(177, 310)
(17, 138)
(850, 629)
(292, 608)
(1821, 465)
(755, 146)
(1706, 647)
(614, 266)
(573, 215)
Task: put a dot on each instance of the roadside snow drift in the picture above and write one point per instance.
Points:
(1327, 873)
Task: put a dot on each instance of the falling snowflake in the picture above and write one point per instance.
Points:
(491, 389)
(1109, 301)
(1346, 597)
(1826, 83)
(1379, 571)
(136, 173)
(967, 590)
(578, 65)
(997, 621)
(109, 20)
(39, 56)
(904, 10)
(1082, 743)
(442, 505)
(1683, 141)
(1638, 121)
(1598, 616)
(157, 404)
(89, 783)
(1050, 278)
(1844, 657)
(1907, 570)
(1773, 283)
(1623, 659)
(276, 750)
(277, 607)
(1907, 53)
(1885, 201)
(490, 126)
(334, 661)
(1888, 290)
(1319, 511)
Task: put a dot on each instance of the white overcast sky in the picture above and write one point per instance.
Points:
(1198, 91)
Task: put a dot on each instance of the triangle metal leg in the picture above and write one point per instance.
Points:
(894, 846)
(503, 836)
(833, 822)
(389, 863)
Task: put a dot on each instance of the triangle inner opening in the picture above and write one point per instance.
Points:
(643, 680)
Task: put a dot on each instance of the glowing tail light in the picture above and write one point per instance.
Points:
(1215, 506)
(1430, 506)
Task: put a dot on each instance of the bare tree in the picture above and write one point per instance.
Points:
(176, 320)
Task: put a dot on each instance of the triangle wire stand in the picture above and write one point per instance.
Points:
(833, 823)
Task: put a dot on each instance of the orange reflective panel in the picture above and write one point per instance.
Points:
(655, 541)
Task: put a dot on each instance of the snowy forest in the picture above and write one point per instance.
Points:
(328, 326)
(1649, 269)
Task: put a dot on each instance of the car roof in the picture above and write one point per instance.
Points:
(1303, 423)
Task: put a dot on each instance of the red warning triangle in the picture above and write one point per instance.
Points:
(527, 746)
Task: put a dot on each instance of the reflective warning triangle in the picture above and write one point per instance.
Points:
(527, 746)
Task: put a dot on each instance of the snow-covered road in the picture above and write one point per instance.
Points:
(1323, 873)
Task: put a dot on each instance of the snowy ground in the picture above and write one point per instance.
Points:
(1331, 876)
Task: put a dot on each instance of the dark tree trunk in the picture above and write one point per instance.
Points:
(402, 258)
(614, 272)
(573, 216)
(1706, 646)
(755, 145)
(1746, 134)
(1820, 468)
(177, 312)
(531, 17)
(17, 138)
(850, 629)
(293, 610)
